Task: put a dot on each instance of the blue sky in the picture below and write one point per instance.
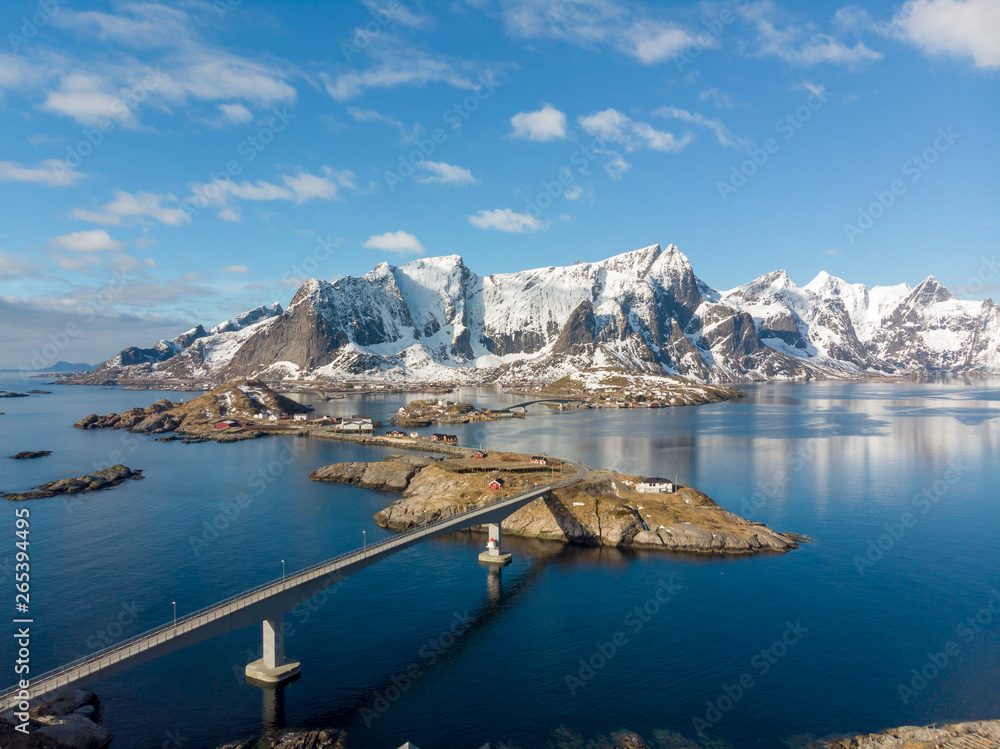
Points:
(168, 164)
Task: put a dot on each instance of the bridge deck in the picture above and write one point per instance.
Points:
(254, 605)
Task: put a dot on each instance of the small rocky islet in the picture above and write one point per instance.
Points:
(29, 454)
(604, 508)
(102, 479)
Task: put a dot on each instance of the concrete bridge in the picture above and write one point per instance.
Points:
(525, 405)
(268, 603)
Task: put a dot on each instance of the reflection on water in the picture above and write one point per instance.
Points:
(840, 462)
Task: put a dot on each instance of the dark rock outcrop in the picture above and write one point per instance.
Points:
(72, 721)
(28, 454)
(90, 482)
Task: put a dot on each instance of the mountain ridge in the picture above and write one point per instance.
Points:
(643, 310)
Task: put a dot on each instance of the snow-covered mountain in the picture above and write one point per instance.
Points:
(435, 319)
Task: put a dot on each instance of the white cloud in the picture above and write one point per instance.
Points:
(718, 98)
(401, 67)
(651, 43)
(720, 131)
(146, 25)
(90, 100)
(395, 241)
(370, 115)
(816, 89)
(51, 172)
(93, 240)
(298, 188)
(615, 126)
(547, 123)
(598, 23)
(800, 46)
(504, 219)
(968, 29)
(96, 217)
(235, 113)
(237, 269)
(146, 205)
(13, 267)
(446, 174)
(616, 166)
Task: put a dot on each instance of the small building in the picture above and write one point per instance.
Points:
(395, 433)
(497, 483)
(225, 424)
(451, 439)
(414, 435)
(540, 460)
(656, 485)
(356, 424)
(478, 454)
(300, 417)
(438, 437)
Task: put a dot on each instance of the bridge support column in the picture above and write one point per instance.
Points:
(494, 553)
(273, 668)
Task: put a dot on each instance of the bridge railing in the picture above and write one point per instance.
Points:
(138, 643)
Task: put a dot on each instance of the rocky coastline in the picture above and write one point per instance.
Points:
(602, 509)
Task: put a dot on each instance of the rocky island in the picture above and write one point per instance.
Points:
(71, 721)
(102, 479)
(29, 454)
(238, 410)
(604, 508)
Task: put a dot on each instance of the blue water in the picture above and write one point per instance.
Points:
(834, 461)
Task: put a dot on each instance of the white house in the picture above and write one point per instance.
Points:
(656, 485)
(300, 417)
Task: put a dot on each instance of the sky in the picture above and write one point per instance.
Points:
(163, 165)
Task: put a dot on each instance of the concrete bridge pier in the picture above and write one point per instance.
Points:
(273, 668)
(494, 554)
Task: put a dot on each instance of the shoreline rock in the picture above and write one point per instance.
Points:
(972, 734)
(103, 479)
(72, 721)
(29, 454)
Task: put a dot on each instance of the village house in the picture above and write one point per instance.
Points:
(540, 460)
(656, 485)
(225, 424)
(478, 454)
(497, 483)
(395, 433)
(356, 424)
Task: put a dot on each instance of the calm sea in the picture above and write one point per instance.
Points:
(897, 484)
